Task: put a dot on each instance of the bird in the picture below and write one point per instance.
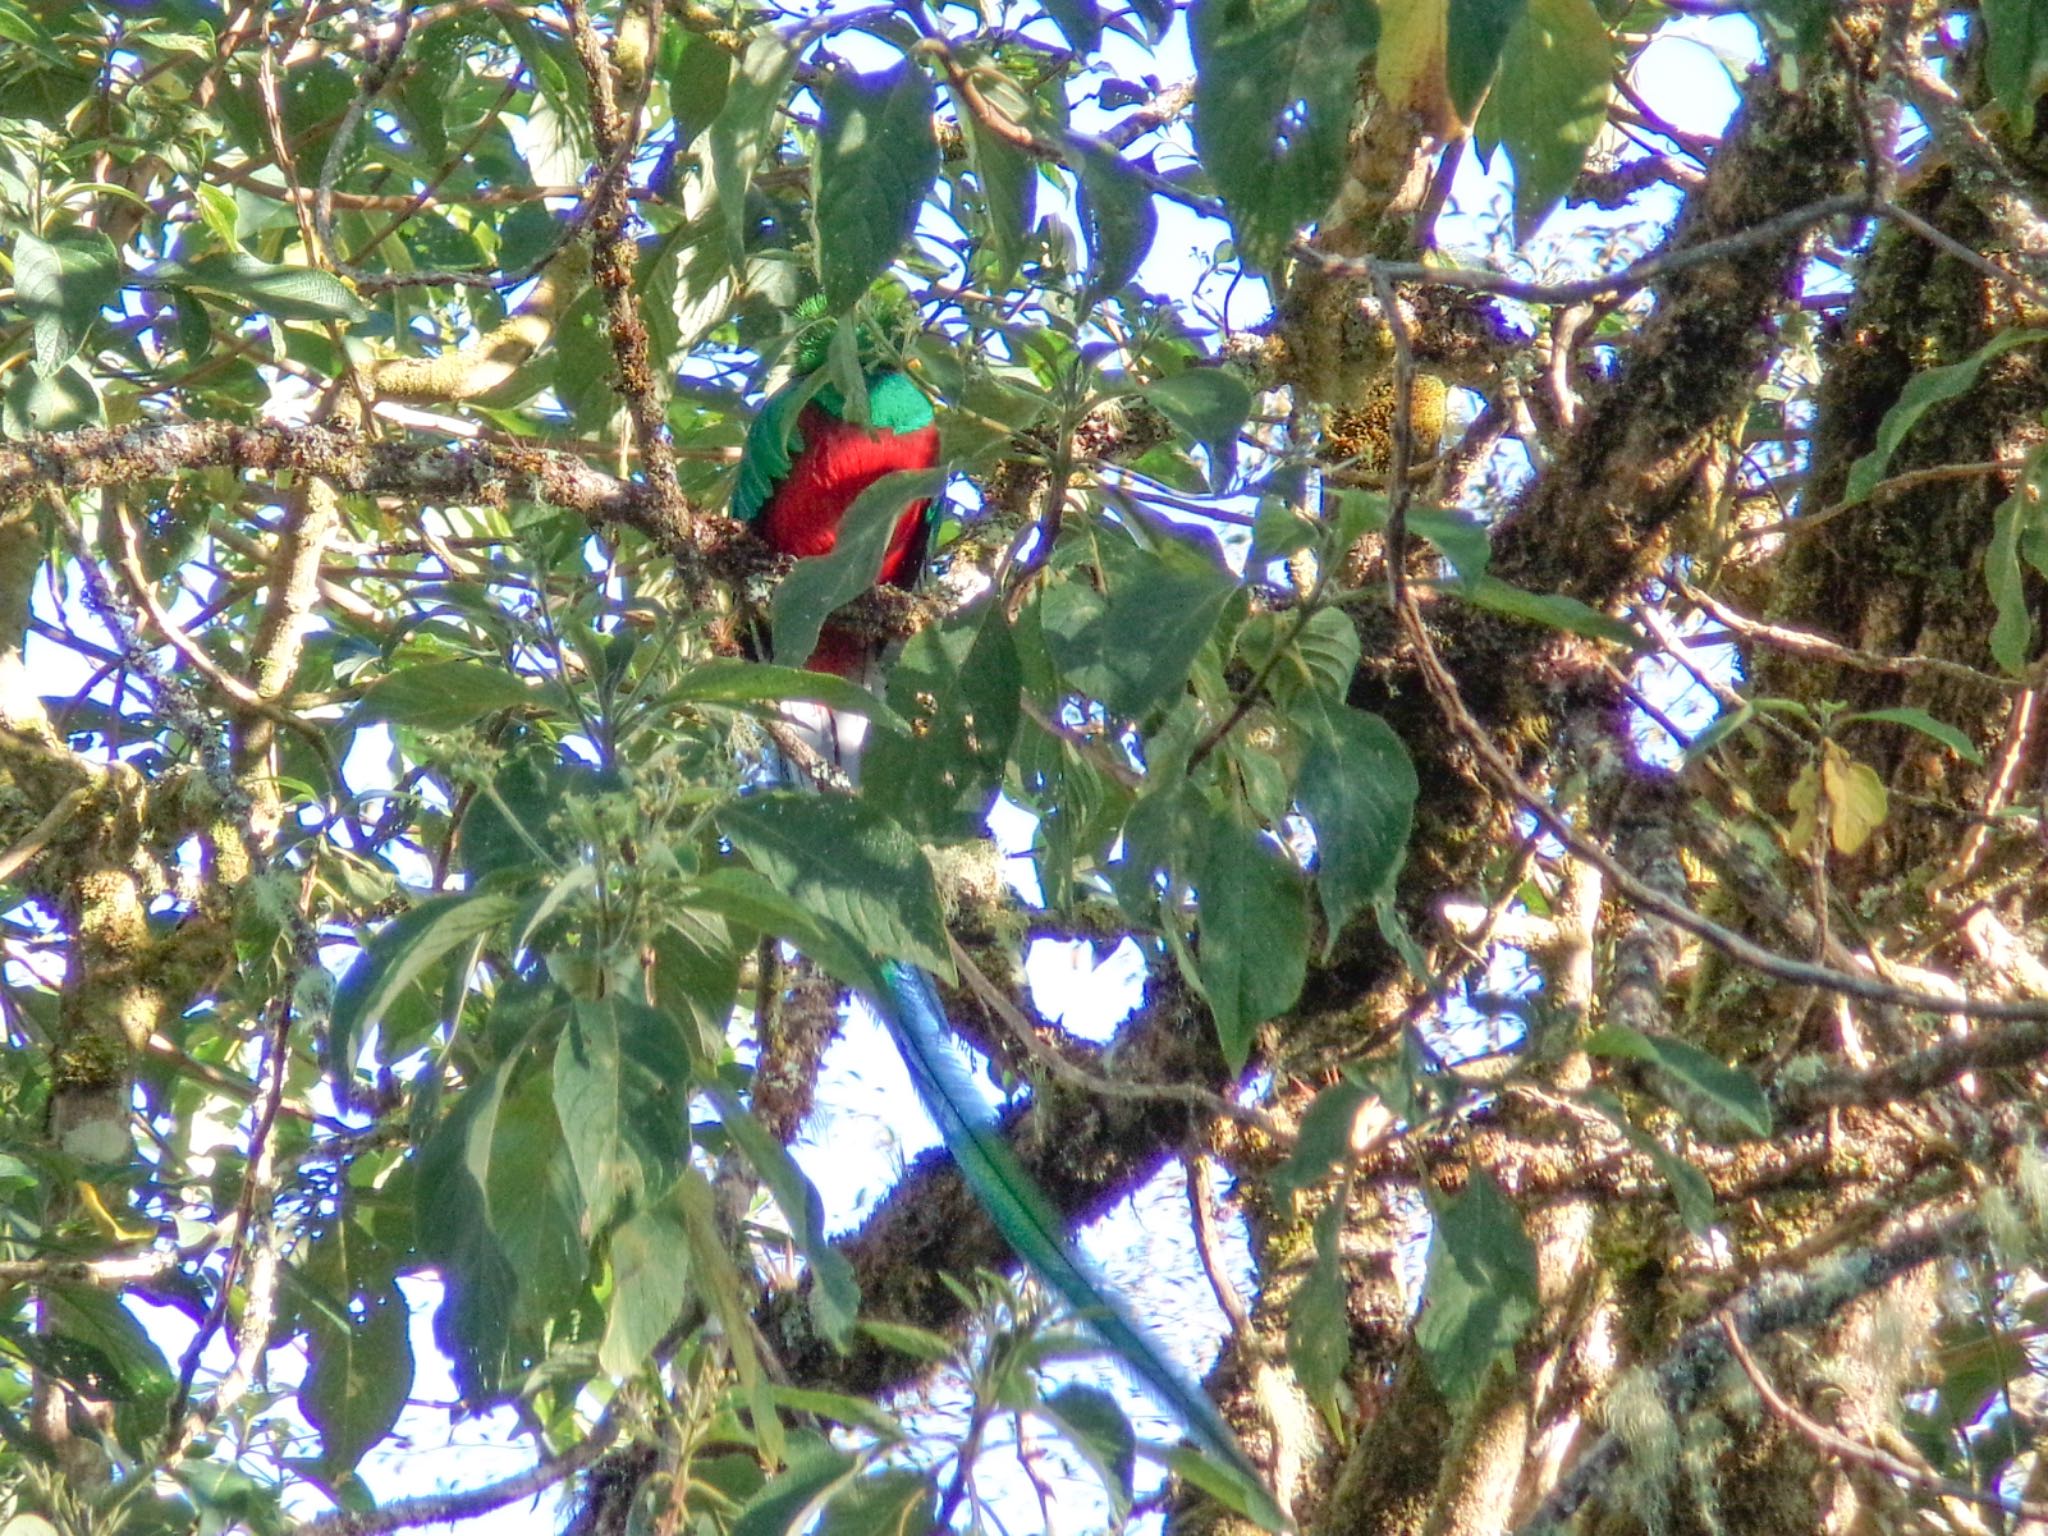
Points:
(805, 462)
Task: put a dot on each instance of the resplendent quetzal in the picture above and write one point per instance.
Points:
(806, 461)
(804, 464)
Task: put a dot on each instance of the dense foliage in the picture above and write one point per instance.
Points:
(1549, 687)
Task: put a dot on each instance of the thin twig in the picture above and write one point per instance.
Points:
(1859, 1453)
(1084, 1081)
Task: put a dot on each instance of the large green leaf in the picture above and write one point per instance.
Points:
(1117, 216)
(1730, 1091)
(745, 133)
(442, 695)
(2016, 57)
(894, 1502)
(816, 586)
(480, 1287)
(1094, 1423)
(1276, 84)
(1476, 35)
(1550, 104)
(1133, 645)
(1008, 177)
(1479, 1292)
(358, 1376)
(1318, 1324)
(1358, 788)
(1210, 406)
(400, 954)
(57, 402)
(744, 897)
(1254, 934)
(650, 1283)
(729, 680)
(2019, 538)
(877, 157)
(787, 1502)
(62, 284)
(621, 1092)
(959, 685)
(282, 293)
(844, 862)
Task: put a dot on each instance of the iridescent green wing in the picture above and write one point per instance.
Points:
(773, 443)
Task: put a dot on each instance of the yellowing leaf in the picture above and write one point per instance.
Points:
(1857, 801)
(1413, 61)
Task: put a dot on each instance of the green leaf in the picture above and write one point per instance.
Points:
(835, 1293)
(744, 133)
(650, 1284)
(358, 1376)
(1079, 21)
(1732, 1091)
(698, 72)
(1210, 405)
(842, 1408)
(480, 1286)
(1276, 83)
(1922, 393)
(1008, 177)
(1254, 927)
(1117, 218)
(1093, 1422)
(695, 979)
(1690, 1191)
(844, 862)
(877, 158)
(1918, 719)
(788, 1500)
(622, 1094)
(2019, 537)
(282, 293)
(1464, 541)
(1476, 34)
(442, 695)
(1479, 1291)
(1550, 104)
(2016, 58)
(916, 1343)
(61, 285)
(516, 1154)
(893, 1502)
(729, 680)
(95, 1321)
(1134, 646)
(1357, 786)
(1304, 659)
(1318, 1324)
(1553, 610)
(816, 586)
(1230, 1485)
(61, 402)
(1325, 1137)
(400, 954)
(960, 686)
(745, 897)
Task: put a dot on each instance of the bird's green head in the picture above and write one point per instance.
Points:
(883, 324)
